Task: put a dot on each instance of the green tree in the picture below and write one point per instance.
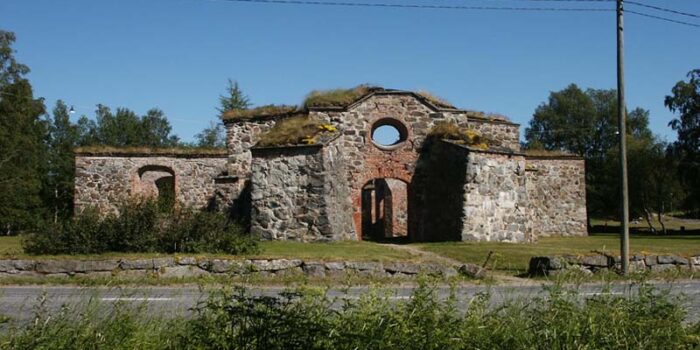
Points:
(10, 70)
(62, 138)
(124, 128)
(211, 137)
(585, 123)
(22, 134)
(233, 100)
(685, 100)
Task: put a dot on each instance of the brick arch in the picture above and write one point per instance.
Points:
(356, 195)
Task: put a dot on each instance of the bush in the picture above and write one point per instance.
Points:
(205, 232)
(142, 226)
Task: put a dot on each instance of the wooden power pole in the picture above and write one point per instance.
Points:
(622, 132)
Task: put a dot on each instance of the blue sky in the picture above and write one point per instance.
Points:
(178, 54)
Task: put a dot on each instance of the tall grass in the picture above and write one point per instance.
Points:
(563, 319)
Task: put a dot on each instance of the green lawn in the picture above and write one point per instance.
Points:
(672, 223)
(510, 257)
(514, 257)
(349, 250)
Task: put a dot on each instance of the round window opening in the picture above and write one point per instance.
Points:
(388, 133)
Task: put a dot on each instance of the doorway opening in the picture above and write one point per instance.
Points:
(158, 182)
(385, 210)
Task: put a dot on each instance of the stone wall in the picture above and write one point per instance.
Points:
(496, 202)
(296, 194)
(241, 136)
(588, 264)
(508, 134)
(105, 181)
(556, 189)
(194, 267)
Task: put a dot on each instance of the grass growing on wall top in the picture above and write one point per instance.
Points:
(301, 130)
(463, 136)
(337, 97)
(267, 110)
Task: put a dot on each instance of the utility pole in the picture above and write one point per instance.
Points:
(622, 132)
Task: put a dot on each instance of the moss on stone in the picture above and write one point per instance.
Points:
(300, 130)
(337, 97)
(262, 111)
(462, 136)
(437, 101)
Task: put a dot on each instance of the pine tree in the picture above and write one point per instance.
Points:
(235, 99)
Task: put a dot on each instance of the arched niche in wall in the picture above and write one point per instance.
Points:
(157, 181)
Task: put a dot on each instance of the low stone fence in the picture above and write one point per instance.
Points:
(191, 266)
(556, 264)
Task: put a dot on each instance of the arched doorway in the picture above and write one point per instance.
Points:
(384, 203)
(156, 181)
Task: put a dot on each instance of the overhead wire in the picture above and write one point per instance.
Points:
(423, 6)
(664, 9)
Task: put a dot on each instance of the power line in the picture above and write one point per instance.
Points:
(662, 9)
(422, 6)
(663, 18)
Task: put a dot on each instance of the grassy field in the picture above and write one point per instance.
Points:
(362, 251)
(514, 257)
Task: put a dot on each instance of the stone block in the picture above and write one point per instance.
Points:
(473, 271)
(314, 269)
(651, 260)
(672, 259)
(51, 267)
(406, 268)
(136, 264)
(275, 264)
(335, 265)
(598, 260)
(14, 266)
(100, 265)
(186, 260)
(364, 266)
(182, 271)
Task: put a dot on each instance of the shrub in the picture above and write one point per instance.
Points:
(205, 232)
(142, 226)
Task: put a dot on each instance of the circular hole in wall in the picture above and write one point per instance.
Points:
(388, 133)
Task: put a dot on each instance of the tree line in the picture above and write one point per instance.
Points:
(37, 161)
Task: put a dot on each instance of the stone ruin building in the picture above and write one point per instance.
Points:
(317, 173)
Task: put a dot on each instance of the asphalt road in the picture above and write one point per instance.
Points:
(19, 302)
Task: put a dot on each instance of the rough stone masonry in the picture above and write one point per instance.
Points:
(351, 186)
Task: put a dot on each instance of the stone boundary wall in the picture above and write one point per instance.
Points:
(556, 189)
(193, 267)
(104, 181)
(588, 264)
